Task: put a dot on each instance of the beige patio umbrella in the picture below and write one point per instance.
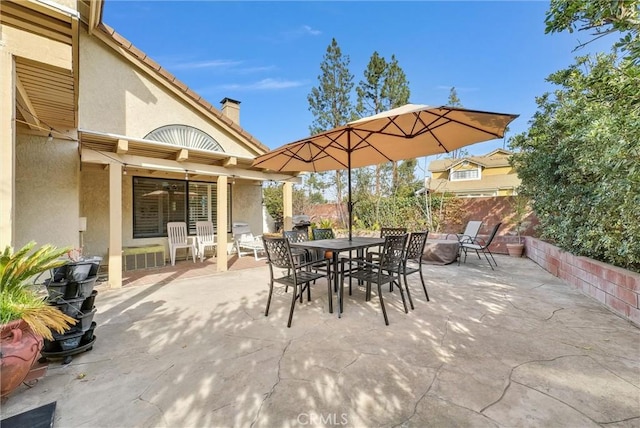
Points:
(406, 132)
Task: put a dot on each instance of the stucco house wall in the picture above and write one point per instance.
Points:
(246, 200)
(47, 207)
(120, 99)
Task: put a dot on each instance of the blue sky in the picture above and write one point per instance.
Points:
(268, 54)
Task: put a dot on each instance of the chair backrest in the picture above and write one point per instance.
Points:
(296, 235)
(470, 232)
(493, 234)
(472, 229)
(392, 231)
(393, 250)
(415, 245)
(322, 234)
(242, 232)
(177, 232)
(278, 252)
(204, 231)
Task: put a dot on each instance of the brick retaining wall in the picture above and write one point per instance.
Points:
(616, 288)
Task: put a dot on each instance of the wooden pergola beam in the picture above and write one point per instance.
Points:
(123, 147)
(182, 155)
(25, 106)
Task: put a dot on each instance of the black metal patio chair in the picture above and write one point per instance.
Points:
(384, 271)
(412, 261)
(298, 275)
(479, 244)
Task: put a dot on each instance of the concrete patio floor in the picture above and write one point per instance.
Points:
(510, 347)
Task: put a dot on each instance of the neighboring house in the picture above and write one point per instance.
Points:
(96, 133)
(474, 176)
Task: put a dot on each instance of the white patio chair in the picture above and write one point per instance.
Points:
(244, 240)
(205, 237)
(177, 236)
(470, 232)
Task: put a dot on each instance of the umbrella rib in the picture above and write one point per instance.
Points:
(363, 142)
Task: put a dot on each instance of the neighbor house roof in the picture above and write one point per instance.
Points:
(494, 159)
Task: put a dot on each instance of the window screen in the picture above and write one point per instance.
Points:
(158, 201)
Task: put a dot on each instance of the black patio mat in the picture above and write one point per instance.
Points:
(40, 417)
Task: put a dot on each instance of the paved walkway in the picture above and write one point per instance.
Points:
(510, 347)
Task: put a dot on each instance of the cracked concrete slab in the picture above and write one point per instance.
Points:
(503, 348)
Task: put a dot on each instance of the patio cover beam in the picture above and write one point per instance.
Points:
(93, 156)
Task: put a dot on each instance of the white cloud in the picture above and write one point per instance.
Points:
(263, 85)
(216, 63)
(308, 30)
(258, 69)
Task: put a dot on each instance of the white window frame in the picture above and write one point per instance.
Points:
(452, 174)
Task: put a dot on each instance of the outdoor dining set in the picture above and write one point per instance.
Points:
(387, 259)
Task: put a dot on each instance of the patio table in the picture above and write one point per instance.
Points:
(336, 246)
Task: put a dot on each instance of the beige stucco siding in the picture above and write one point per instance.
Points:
(94, 205)
(246, 203)
(505, 170)
(117, 98)
(47, 207)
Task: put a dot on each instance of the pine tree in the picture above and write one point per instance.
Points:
(454, 101)
(330, 102)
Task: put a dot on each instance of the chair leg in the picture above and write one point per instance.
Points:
(293, 303)
(406, 286)
(488, 261)
(494, 260)
(424, 287)
(266, 312)
(384, 312)
(173, 256)
(404, 301)
(329, 293)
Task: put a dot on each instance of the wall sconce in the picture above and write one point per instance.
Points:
(50, 137)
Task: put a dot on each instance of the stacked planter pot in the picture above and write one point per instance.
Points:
(71, 290)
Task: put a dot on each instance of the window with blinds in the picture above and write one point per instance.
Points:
(158, 201)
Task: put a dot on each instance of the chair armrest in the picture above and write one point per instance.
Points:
(315, 263)
(359, 262)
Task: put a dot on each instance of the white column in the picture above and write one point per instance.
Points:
(115, 225)
(287, 205)
(221, 228)
(8, 150)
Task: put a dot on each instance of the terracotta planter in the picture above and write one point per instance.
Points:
(19, 348)
(515, 250)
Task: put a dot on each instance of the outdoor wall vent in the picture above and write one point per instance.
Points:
(185, 136)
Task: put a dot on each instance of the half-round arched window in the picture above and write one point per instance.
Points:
(185, 136)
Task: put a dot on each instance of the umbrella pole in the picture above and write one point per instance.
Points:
(349, 203)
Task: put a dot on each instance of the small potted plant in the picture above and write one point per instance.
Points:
(25, 316)
(520, 208)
